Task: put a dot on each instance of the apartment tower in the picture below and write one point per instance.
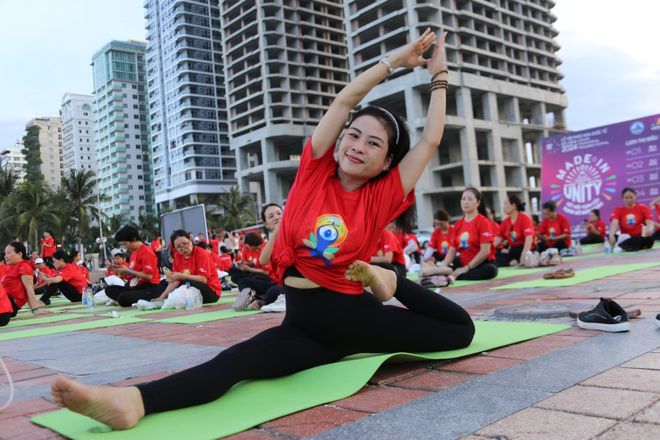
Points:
(122, 130)
(77, 113)
(50, 141)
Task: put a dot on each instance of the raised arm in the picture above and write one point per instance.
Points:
(414, 163)
(332, 123)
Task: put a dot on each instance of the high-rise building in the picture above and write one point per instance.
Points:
(189, 141)
(50, 141)
(504, 93)
(79, 152)
(122, 130)
(12, 159)
(284, 64)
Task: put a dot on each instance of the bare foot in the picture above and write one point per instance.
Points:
(429, 269)
(117, 407)
(382, 282)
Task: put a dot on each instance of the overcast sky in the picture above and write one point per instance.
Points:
(609, 52)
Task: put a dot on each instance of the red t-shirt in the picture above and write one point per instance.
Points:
(71, 274)
(251, 256)
(47, 247)
(325, 228)
(224, 262)
(214, 245)
(5, 304)
(156, 246)
(109, 271)
(200, 263)
(469, 236)
(441, 240)
(632, 219)
(389, 243)
(46, 271)
(144, 260)
(85, 272)
(598, 227)
(515, 233)
(657, 215)
(13, 284)
(555, 228)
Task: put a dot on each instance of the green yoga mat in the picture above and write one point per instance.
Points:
(581, 276)
(42, 331)
(198, 318)
(502, 272)
(251, 403)
(41, 320)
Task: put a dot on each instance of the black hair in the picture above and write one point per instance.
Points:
(515, 200)
(128, 233)
(224, 250)
(406, 220)
(395, 150)
(202, 245)
(253, 239)
(628, 189)
(550, 206)
(178, 233)
(474, 191)
(483, 210)
(2, 256)
(19, 248)
(61, 254)
(263, 210)
(441, 215)
(596, 212)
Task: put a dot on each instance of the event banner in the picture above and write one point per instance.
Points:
(587, 169)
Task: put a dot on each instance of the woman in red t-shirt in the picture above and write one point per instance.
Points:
(471, 251)
(390, 252)
(335, 212)
(193, 266)
(438, 246)
(47, 247)
(635, 222)
(258, 289)
(142, 271)
(516, 233)
(595, 228)
(69, 279)
(554, 230)
(18, 280)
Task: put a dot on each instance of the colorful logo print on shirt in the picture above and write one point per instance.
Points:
(630, 219)
(444, 246)
(464, 240)
(330, 233)
(513, 235)
(553, 233)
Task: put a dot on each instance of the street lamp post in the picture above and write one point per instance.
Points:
(101, 240)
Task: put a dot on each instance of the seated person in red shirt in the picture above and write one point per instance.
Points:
(635, 222)
(142, 272)
(655, 204)
(41, 267)
(471, 251)
(595, 228)
(69, 280)
(554, 231)
(260, 289)
(247, 263)
(156, 245)
(18, 280)
(194, 266)
(118, 259)
(438, 246)
(6, 308)
(390, 253)
(516, 233)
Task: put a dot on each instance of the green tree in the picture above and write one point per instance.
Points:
(29, 210)
(238, 209)
(32, 151)
(7, 182)
(149, 226)
(79, 187)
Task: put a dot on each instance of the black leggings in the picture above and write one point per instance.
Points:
(208, 295)
(592, 239)
(504, 260)
(266, 290)
(67, 290)
(320, 327)
(558, 244)
(4, 317)
(127, 296)
(636, 244)
(485, 271)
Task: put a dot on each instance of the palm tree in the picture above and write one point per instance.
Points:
(79, 188)
(149, 226)
(30, 209)
(7, 182)
(238, 209)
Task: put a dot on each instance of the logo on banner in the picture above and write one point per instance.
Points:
(637, 127)
(583, 183)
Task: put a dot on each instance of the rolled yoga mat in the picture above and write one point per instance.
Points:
(251, 403)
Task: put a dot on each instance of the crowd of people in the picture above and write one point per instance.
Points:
(339, 250)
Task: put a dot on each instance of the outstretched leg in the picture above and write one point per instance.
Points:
(382, 282)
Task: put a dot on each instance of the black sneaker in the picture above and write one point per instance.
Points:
(657, 320)
(607, 316)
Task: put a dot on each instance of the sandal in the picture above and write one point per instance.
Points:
(564, 273)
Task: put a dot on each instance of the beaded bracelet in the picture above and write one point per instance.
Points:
(438, 73)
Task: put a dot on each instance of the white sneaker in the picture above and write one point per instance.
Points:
(617, 250)
(278, 306)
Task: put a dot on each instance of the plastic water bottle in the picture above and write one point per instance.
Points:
(85, 298)
(189, 304)
(90, 298)
(607, 248)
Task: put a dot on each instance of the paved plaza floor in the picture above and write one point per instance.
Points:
(575, 384)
